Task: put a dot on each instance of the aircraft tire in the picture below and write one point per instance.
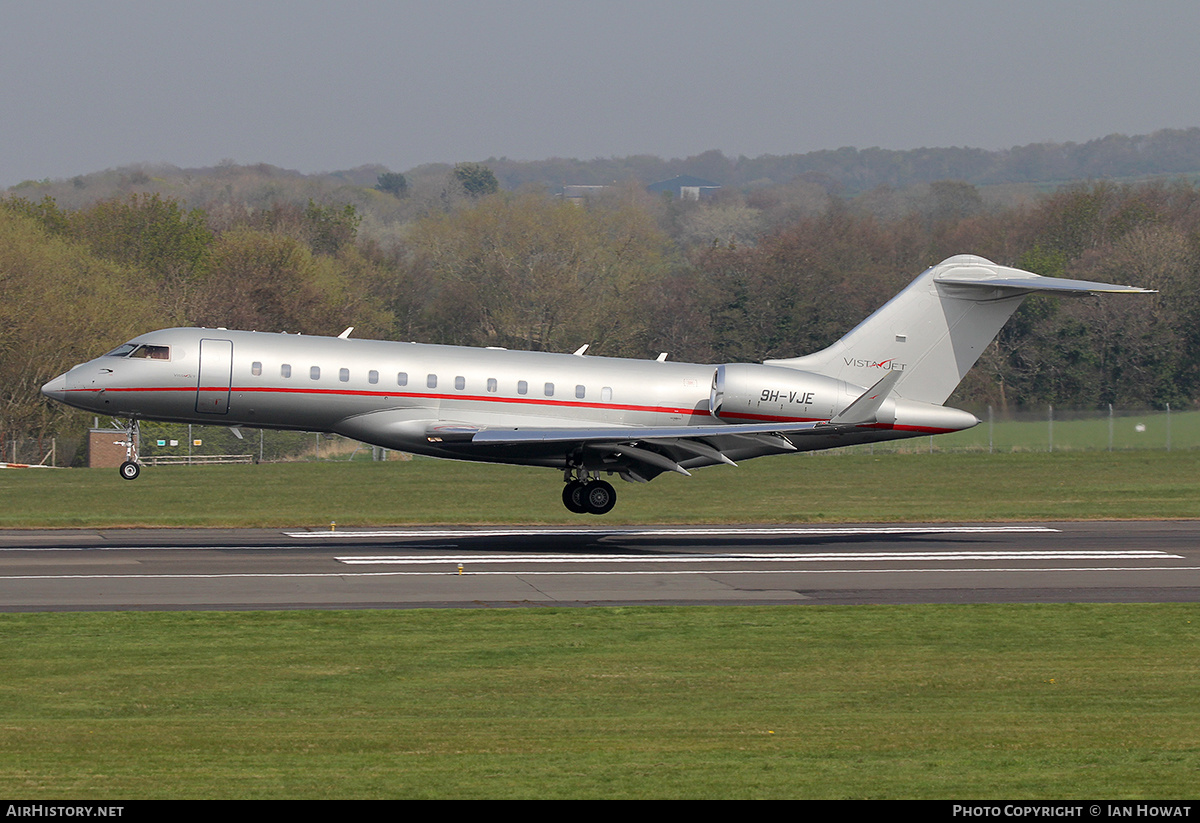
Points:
(599, 497)
(572, 497)
(130, 470)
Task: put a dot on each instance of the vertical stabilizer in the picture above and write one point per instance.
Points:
(937, 327)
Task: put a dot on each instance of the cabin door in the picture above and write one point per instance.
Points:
(216, 376)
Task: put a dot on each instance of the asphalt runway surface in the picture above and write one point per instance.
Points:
(1119, 562)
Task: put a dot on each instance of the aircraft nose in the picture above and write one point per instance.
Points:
(56, 388)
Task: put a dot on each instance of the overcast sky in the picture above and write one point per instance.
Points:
(320, 86)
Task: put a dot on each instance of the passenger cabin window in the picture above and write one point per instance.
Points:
(256, 368)
(402, 378)
(152, 352)
(315, 372)
(460, 383)
(285, 370)
(431, 381)
(522, 387)
(580, 392)
(549, 389)
(492, 384)
(344, 375)
(372, 377)
(606, 394)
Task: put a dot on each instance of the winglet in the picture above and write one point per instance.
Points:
(346, 334)
(863, 411)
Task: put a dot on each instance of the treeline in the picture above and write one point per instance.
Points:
(850, 171)
(846, 173)
(734, 279)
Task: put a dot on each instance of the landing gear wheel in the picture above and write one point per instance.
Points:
(130, 469)
(572, 497)
(599, 497)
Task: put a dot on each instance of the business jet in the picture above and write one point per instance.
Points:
(585, 416)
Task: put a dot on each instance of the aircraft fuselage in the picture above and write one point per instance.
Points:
(307, 383)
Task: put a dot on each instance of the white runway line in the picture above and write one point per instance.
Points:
(529, 573)
(821, 557)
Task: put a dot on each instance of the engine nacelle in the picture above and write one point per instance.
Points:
(750, 393)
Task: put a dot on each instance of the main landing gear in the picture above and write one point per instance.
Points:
(589, 495)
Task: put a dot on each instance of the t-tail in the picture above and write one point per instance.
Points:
(935, 329)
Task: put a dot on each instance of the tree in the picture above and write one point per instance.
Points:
(158, 236)
(330, 228)
(476, 179)
(61, 305)
(147, 231)
(953, 200)
(47, 212)
(264, 281)
(533, 273)
(393, 183)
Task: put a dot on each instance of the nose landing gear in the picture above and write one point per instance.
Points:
(589, 495)
(131, 468)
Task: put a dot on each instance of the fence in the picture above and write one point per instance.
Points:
(1052, 429)
(1045, 430)
(172, 444)
(35, 451)
(169, 443)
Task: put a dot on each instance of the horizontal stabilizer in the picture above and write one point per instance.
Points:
(1001, 277)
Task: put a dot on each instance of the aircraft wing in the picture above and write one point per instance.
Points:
(665, 448)
(650, 450)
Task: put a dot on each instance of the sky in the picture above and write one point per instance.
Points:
(322, 86)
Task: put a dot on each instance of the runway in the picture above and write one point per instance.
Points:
(511, 567)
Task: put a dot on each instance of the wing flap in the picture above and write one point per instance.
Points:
(646, 456)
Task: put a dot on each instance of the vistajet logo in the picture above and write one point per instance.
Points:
(886, 365)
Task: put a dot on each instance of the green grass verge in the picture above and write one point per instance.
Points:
(1070, 431)
(793, 488)
(1033, 701)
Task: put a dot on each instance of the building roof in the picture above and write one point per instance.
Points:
(682, 181)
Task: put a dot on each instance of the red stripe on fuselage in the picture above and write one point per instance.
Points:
(529, 401)
(532, 401)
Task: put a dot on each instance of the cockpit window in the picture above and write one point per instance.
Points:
(152, 352)
(121, 350)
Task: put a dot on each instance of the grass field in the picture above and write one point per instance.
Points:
(1071, 430)
(792, 488)
(1058, 701)
(1003, 701)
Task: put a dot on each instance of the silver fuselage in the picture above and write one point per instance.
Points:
(407, 395)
